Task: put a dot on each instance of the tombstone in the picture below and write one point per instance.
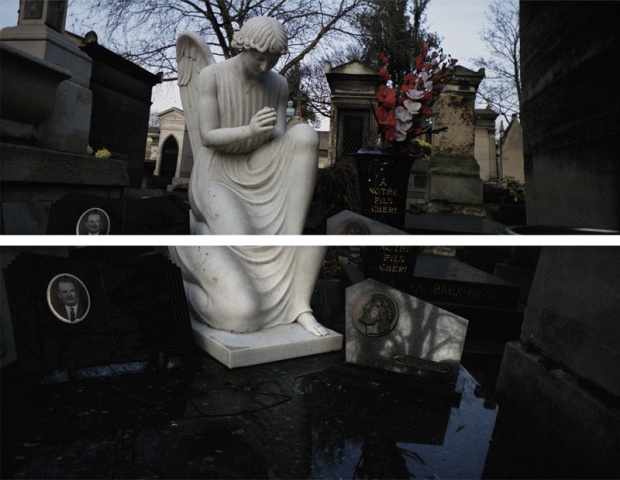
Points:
(84, 311)
(490, 304)
(59, 92)
(166, 215)
(391, 265)
(453, 183)
(383, 178)
(389, 330)
(441, 279)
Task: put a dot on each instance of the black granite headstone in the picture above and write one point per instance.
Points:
(383, 178)
(79, 214)
(440, 279)
(127, 309)
(392, 265)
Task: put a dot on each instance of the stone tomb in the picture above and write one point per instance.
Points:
(166, 215)
(129, 308)
(390, 330)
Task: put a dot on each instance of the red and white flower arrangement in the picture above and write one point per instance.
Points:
(403, 110)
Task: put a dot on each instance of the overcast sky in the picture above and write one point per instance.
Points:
(457, 21)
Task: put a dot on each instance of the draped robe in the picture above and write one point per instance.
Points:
(243, 289)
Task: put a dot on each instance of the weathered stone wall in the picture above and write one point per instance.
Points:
(572, 312)
(456, 111)
(564, 373)
(485, 149)
(570, 119)
(512, 151)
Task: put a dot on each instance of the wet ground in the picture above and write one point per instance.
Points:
(312, 417)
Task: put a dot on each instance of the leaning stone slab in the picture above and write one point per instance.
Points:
(390, 330)
(282, 342)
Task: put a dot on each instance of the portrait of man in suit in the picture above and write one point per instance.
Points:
(68, 298)
(93, 222)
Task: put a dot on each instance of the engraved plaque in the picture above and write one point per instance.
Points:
(390, 330)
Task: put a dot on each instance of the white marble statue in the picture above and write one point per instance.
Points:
(250, 176)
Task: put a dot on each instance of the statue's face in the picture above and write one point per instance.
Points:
(257, 64)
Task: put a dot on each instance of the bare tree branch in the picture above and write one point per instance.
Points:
(145, 31)
(501, 88)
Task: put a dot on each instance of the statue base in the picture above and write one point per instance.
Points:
(269, 345)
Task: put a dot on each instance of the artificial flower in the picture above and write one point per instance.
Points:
(403, 110)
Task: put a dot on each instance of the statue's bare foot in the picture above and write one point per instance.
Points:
(308, 321)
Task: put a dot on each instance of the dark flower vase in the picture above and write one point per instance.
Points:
(383, 177)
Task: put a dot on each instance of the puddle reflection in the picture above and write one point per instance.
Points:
(295, 419)
(381, 432)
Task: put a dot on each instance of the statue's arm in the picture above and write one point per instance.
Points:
(214, 136)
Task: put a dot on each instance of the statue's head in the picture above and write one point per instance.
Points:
(264, 34)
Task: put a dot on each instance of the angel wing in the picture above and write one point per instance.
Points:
(193, 54)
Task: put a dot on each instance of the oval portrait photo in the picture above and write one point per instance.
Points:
(68, 298)
(93, 221)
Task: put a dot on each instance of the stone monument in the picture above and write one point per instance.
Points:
(40, 33)
(250, 176)
(453, 182)
(61, 93)
(568, 356)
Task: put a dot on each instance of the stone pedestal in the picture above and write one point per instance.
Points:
(453, 183)
(268, 345)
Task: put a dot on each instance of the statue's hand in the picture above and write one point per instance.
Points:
(263, 121)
